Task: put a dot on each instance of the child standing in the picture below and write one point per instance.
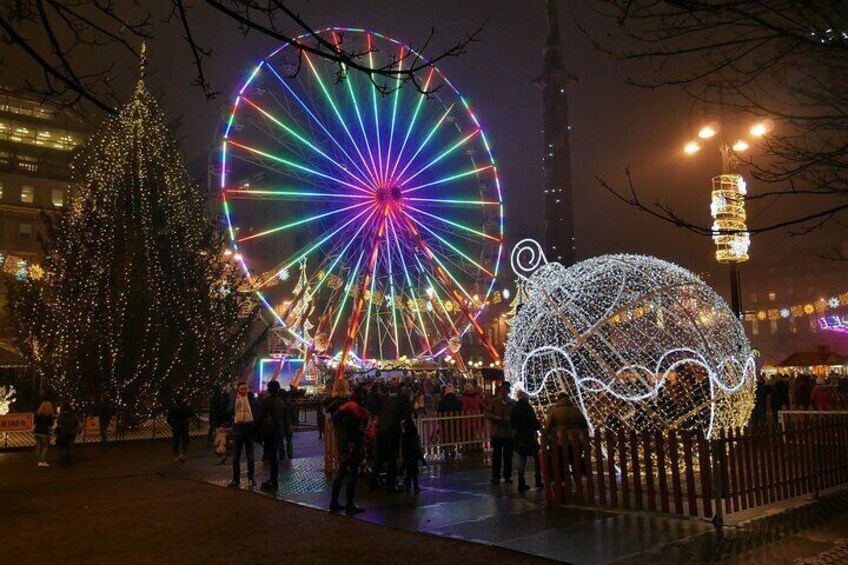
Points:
(411, 448)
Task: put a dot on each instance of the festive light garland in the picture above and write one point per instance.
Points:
(637, 343)
(802, 310)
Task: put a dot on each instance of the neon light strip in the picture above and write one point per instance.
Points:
(376, 117)
(309, 144)
(234, 192)
(346, 295)
(427, 139)
(338, 114)
(394, 115)
(411, 289)
(441, 156)
(321, 125)
(436, 293)
(393, 304)
(455, 224)
(304, 221)
(350, 242)
(294, 165)
(448, 179)
(446, 242)
(458, 202)
(411, 124)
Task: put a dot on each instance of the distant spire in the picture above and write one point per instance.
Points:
(553, 24)
(142, 66)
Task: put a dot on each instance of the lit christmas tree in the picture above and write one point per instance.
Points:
(138, 299)
(520, 299)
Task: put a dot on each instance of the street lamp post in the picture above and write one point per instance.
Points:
(727, 206)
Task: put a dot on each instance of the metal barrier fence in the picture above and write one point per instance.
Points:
(154, 428)
(445, 434)
(686, 474)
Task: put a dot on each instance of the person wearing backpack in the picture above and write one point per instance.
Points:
(67, 427)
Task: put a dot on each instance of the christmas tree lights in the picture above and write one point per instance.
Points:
(137, 297)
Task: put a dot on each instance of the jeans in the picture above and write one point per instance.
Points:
(68, 449)
(272, 448)
(180, 445)
(42, 444)
(522, 466)
(501, 457)
(388, 449)
(348, 469)
(243, 438)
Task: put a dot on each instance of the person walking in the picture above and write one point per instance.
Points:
(179, 418)
(526, 427)
(242, 409)
(271, 415)
(67, 427)
(105, 412)
(397, 409)
(42, 425)
(411, 451)
(351, 419)
(499, 413)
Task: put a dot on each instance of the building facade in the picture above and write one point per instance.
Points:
(556, 158)
(36, 146)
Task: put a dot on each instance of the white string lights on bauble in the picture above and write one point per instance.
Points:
(636, 342)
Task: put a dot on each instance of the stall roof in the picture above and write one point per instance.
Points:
(814, 359)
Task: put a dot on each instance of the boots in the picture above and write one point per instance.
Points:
(522, 485)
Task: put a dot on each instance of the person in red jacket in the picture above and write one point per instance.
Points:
(471, 400)
(351, 418)
(820, 396)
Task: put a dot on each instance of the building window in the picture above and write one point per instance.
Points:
(27, 194)
(25, 231)
(58, 197)
(772, 297)
(1, 191)
(773, 326)
(755, 327)
(753, 297)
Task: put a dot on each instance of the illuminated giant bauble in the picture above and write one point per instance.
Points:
(636, 342)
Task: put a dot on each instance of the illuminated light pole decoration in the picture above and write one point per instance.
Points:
(727, 205)
(391, 195)
(636, 342)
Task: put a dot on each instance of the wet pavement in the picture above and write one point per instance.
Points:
(457, 501)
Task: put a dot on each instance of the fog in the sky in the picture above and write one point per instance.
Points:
(612, 125)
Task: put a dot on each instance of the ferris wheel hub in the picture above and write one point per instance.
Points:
(387, 194)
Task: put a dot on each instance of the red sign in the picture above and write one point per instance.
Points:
(16, 423)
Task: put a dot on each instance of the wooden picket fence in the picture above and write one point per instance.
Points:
(684, 473)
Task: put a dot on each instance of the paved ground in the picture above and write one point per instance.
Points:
(132, 504)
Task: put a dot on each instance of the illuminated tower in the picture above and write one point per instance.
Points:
(556, 159)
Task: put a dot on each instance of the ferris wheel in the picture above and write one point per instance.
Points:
(367, 216)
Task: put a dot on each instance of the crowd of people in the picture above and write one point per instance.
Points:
(63, 424)
(791, 392)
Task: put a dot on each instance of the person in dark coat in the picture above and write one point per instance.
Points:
(397, 409)
(105, 411)
(526, 426)
(219, 406)
(179, 418)
(67, 427)
(43, 424)
(450, 402)
(779, 396)
(411, 451)
(243, 409)
(761, 394)
(350, 419)
(499, 414)
(272, 413)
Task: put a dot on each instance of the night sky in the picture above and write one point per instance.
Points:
(613, 124)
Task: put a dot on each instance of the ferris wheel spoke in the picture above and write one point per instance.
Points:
(349, 81)
(292, 165)
(304, 221)
(421, 99)
(435, 294)
(447, 179)
(396, 95)
(441, 156)
(308, 144)
(451, 246)
(392, 304)
(320, 124)
(426, 141)
(238, 194)
(454, 202)
(350, 241)
(338, 114)
(346, 292)
(411, 288)
(454, 224)
(381, 176)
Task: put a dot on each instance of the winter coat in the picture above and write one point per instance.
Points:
(526, 426)
(43, 424)
(472, 402)
(499, 412)
(67, 425)
(449, 403)
(397, 409)
(820, 398)
(269, 421)
(179, 416)
(564, 414)
(351, 419)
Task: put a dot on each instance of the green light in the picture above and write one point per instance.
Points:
(446, 242)
(304, 221)
(421, 99)
(427, 139)
(448, 179)
(441, 156)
